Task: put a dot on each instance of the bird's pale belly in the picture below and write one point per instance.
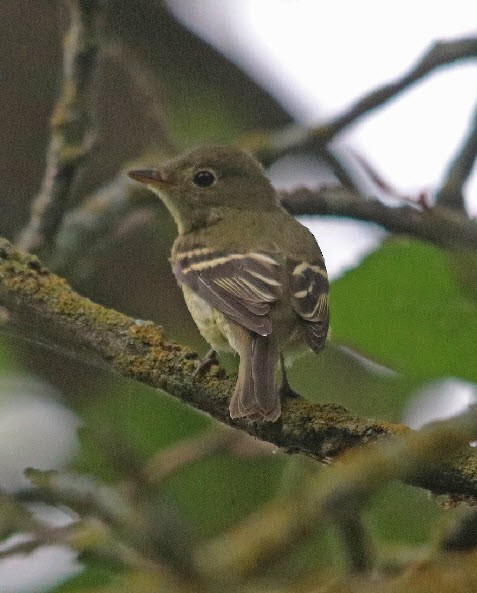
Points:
(212, 324)
(216, 328)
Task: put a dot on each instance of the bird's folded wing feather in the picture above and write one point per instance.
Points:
(240, 285)
(309, 292)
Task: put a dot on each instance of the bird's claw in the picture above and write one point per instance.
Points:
(204, 365)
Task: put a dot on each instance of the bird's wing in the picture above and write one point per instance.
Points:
(240, 285)
(309, 294)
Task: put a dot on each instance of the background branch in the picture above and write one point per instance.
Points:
(451, 193)
(265, 537)
(441, 53)
(71, 134)
(440, 226)
(87, 230)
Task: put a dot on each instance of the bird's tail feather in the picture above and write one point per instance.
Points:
(256, 395)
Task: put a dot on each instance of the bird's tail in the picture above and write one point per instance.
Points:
(256, 395)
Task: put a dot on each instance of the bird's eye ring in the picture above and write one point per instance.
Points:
(204, 178)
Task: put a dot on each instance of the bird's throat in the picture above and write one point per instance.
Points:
(189, 217)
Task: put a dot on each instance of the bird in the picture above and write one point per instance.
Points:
(253, 277)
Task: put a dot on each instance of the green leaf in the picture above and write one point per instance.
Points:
(404, 307)
(218, 491)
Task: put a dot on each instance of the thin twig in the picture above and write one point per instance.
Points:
(214, 440)
(439, 226)
(40, 537)
(166, 463)
(139, 350)
(71, 133)
(451, 194)
(270, 146)
(87, 231)
(128, 521)
(441, 53)
(85, 536)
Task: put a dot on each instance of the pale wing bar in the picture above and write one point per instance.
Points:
(240, 285)
(309, 292)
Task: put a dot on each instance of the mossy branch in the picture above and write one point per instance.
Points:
(43, 302)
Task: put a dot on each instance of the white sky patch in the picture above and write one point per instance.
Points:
(361, 240)
(35, 430)
(37, 571)
(438, 400)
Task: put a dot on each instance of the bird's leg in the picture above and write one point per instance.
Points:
(205, 363)
(285, 388)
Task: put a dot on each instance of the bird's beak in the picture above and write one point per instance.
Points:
(151, 177)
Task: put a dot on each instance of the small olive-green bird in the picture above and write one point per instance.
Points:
(253, 277)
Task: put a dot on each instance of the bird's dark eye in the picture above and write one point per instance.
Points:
(204, 178)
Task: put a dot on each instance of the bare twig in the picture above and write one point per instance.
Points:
(270, 146)
(85, 496)
(451, 193)
(43, 301)
(42, 536)
(87, 230)
(165, 463)
(71, 135)
(140, 527)
(218, 438)
(440, 226)
(85, 536)
(441, 53)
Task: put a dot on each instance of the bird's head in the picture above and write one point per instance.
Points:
(210, 177)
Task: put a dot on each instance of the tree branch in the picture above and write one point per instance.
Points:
(270, 146)
(71, 137)
(96, 223)
(451, 193)
(88, 228)
(440, 226)
(139, 350)
(441, 53)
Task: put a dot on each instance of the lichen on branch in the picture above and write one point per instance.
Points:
(43, 302)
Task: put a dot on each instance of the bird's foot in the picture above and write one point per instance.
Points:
(204, 365)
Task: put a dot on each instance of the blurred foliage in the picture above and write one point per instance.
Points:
(414, 287)
(409, 306)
